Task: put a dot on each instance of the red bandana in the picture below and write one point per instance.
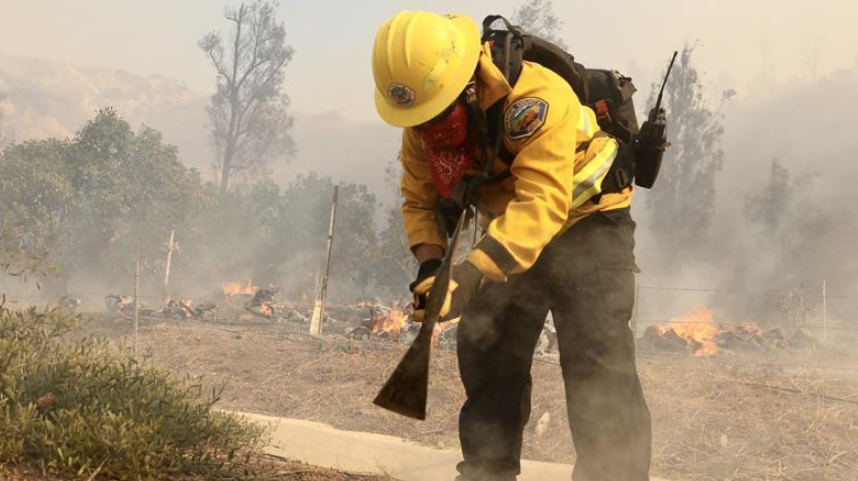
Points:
(449, 166)
(449, 155)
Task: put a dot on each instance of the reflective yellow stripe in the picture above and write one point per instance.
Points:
(588, 181)
(587, 121)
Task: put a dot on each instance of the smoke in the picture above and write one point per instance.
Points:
(808, 130)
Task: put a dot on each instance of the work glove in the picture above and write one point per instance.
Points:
(421, 286)
(465, 283)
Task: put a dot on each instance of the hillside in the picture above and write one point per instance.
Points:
(50, 99)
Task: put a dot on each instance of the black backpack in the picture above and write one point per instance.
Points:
(607, 92)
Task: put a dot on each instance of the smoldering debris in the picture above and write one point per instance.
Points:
(184, 309)
(384, 322)
(704, 338)
(362, 321)
(118, 303)
(262, 303)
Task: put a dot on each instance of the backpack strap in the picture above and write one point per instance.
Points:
(494, 117)
(494, 141)
(508, 47)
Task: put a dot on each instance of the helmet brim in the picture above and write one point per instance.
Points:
(425, 111)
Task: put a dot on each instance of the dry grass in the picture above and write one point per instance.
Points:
(265, 468)
(713, 419)
(735, 421)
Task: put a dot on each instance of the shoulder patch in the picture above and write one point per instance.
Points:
(524, 117)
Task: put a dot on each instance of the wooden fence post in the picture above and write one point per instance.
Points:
(319, 305)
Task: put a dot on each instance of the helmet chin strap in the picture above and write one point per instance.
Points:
(479, 126)
(477, 120)
(469, 187)
(476, 117)
(464, 194)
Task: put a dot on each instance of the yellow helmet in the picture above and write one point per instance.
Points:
(421, 63)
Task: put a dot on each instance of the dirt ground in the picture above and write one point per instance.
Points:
(266, 468)
(772, 417)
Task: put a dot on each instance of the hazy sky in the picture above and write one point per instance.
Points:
(749, 45)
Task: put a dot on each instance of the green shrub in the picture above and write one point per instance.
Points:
(73, 405)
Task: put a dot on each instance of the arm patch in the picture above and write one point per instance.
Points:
(524, 117)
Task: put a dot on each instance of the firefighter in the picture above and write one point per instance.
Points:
(553, 241)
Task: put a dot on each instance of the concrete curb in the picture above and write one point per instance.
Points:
(321, 445)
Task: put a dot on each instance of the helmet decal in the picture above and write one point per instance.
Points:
(403, 95)
(421, 62)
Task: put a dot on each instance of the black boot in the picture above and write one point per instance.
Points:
(469, 473)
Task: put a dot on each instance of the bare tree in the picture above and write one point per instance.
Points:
(538, 17)
(249, 111)
(397, 265)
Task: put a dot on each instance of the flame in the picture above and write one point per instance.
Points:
(236, 288)
(749, 326)
(389, 321)
(699, 328)
(266, 309)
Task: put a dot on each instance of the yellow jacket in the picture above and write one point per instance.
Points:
(560, 161)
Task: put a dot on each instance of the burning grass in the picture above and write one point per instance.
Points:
(394, 324)
(238, 288)
(388, 322)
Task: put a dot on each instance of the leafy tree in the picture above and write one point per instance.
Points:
(306, 206)
(682, 203)
(768, 207)
(538, 18)
(248, 111)
(233, 237)
(15, 260)
(97, 199)
(397, 263)
(165, 194)
(131, 191)
(795, 230)
(768, 213)
(35, 197)
(277, 236)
